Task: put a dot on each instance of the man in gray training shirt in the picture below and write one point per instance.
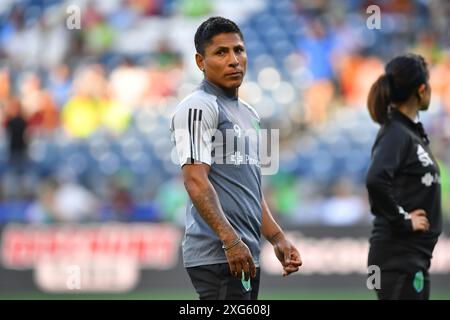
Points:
(216, 135)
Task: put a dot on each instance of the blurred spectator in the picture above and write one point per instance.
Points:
(74, 202)
(59, 84)
(81, 115)
(44, 43)
(171, 198)
(356, 74)
(5, 86)
(91, 17)
(311, 8)
(53, 39)
(440, 81)
(14, 21)
(166, 57)
(90, 106)
(128, 84)
(43, 210)
(428, 47)
(445, 183)
(11, 33)
(284, 195)
(123, 17)
(147, 7)
(316, 48)
(38, 106)
(115, 117)
(16, 128)
(194, 8)
(164, 75)
(119, 200)
(98, 35)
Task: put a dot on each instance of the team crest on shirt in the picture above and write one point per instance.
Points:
(424, 157)
(237, 130)
(255, 124)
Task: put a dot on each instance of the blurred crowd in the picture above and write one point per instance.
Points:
(62, 87)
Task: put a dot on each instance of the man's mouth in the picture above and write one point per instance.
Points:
(234, 74)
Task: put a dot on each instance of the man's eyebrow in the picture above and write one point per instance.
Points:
(227, 48)
(221, 48)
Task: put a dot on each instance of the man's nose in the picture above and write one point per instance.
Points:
(234, 61)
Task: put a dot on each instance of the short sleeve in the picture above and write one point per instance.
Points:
(193, 126)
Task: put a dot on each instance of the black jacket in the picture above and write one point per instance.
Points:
(403, 176)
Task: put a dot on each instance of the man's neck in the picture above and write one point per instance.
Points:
(231, 93)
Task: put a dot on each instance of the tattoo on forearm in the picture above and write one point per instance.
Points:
(207, 204)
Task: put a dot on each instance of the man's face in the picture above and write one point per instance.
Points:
(225, 61)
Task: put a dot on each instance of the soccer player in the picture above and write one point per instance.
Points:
(227, 211)
(403, 181)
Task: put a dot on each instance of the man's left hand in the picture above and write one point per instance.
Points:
(287, 254)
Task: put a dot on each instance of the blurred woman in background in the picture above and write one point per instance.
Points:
(403, 182)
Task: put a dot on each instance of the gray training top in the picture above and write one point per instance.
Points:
(199, 128)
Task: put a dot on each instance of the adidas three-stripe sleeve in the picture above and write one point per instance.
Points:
(193, 126)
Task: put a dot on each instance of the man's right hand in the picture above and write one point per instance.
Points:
(239, 258)
(419, 220)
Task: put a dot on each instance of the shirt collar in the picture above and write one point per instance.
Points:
(216, 90)
(397, 115)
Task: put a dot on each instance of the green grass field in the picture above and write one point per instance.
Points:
(303, 294)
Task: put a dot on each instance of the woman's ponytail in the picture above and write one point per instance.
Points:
(379, 99)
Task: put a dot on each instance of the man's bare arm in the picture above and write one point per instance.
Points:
(285, 251)
(206, 201)
(269, 227)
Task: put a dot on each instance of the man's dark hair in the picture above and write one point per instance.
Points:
(211, 27)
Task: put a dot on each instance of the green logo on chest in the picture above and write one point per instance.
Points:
(255, 124)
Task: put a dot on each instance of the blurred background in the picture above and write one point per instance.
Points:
(91, 203)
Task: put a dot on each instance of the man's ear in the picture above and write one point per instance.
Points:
(200, 61)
